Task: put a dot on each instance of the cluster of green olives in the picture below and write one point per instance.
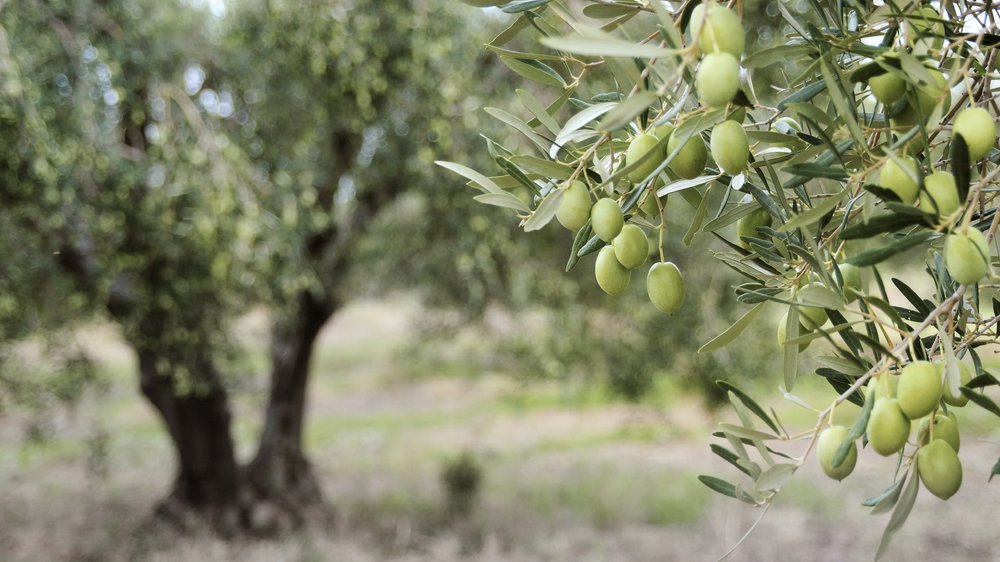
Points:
(627, 249)
(718, 34)
(916, 393)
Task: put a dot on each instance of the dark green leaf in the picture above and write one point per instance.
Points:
(579, 240)
(981, 400)
(878, 255)
(719, 485)
(730, 457)
(960, 166)
(856, 431)
(749, 403)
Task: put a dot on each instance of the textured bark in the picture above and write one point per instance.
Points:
(208, 480)
(280, 476)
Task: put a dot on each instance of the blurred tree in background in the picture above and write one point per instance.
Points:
(171, 168)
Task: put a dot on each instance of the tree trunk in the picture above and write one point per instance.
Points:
(281, 478)
(208, 479)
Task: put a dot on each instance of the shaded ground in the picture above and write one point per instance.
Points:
(568, 473)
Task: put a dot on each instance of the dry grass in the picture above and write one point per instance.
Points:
(566, 476)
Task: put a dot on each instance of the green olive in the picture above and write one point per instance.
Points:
(720, 31)
(690, 161)
(730, 147)
(827, 445)
(940, 195)
(574, 207)
(945, 428)
(606, 219)
(639, 147)
(888, 427)
(665, 286)
(939, 469)
(899, 181)
(783, 333)
(927, 97)
(977, 129)
(919, 390)
(663, 131)
(884, 386)
(967, 256)
(612, 276)
(649, 207)
(888, 88)
(738, 114)
(852, 280)
(718, 79)
(748, 225)
(964, 376)
(631, 246)
(811, 316)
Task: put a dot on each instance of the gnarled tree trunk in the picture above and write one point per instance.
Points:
(208, 479)
(281, 478)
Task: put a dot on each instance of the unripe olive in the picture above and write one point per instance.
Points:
(811, 316)
(690, 161)
(927, 97)
(939, 469)
(649, 207)
(574, 207)
(747, 226)
(945, 428)
(638, 148)
(884, 386)
(977, 129)
(716, 28)
(888, 88)
(826, 448)
(964, 376)
(940, 195)
(665, 286)
(631, 246)
(899, 181)
(730, 147)
(852, 280)
(967, 256)
(782, 334)
(663, 131)
(718, 79)
(919, 390)
(606, 219)
(611, 275)
(888, 427)
(738, 114)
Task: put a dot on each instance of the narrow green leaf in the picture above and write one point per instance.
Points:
(882, 502)
(535, 107)
(503, 199)
(805, 94)
(960, 165)
(548, 168)
(545, 212)
(750, 403)
(730, 334)
(579, 240)
(775, 477)
(856, 431)
(534, 71)
(904, 505)
(605, 46)
(746, 432)
(730, 457)
(518, 6)
(878, 255)
(482, 181)
(626, 110)
(813, 215)
(719, 485)
(981, 400)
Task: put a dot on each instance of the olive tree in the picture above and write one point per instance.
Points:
(171, 168)
(859, 134)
